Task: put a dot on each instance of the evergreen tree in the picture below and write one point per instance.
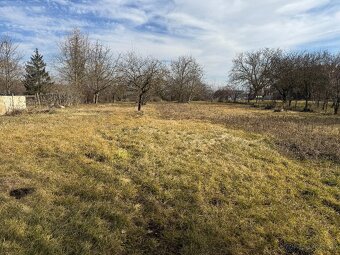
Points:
(37, 78)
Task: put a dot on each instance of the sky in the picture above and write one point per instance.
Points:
(212, 31)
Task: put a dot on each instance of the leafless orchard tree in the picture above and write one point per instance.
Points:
(324, 89)
(334, 89)
(336, 96)
(102, 70)
(185, 78)
(253, 70)
(72, 61)
(116, 92)
(310, 75)
(284, 75)
(328, 88)
(140, 74)
(10, 69)
(318, 78)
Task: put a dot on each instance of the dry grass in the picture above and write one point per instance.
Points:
(178, 179)
(302, 135)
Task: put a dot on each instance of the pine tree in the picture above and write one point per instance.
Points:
(37, 78)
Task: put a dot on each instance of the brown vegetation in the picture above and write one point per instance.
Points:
(177, 179)
(301, 135)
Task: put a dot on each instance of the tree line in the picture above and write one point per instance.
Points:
(288, 75)
(88, 72)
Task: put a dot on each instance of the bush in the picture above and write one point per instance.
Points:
(269, 106)
(15, 112)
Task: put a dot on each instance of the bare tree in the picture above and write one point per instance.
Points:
(324, 88)
(10, 69)
(336, 93)
(185, 79)
(329, 87)
(310, 74)
(253, 70)
(102, 70)
(284, 75)
(335, 82)
(72, 61)
(140, 74)
(116, 92)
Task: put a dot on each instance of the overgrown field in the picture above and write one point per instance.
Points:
(177, 179)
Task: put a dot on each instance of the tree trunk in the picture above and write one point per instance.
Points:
(324, 105)
(256, 94)
(284, 103)
(140, 102)
(306, 105)
(336, 106)
(95, 98)
(284, 98)
(307, 96)
(38, 99)
(190, 98)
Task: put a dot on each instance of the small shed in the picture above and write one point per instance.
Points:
(9, 104)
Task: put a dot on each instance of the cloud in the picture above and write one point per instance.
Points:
(212, 31)
(301, 6)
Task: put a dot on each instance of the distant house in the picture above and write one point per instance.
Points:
(9, 104)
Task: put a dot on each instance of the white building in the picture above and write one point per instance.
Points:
(9, 104)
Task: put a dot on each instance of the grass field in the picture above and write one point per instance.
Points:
(176, 179)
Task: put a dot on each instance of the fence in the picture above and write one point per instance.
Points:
(49, 100)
